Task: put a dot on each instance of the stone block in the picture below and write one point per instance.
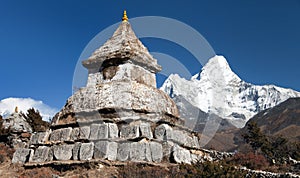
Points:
(55, 135)
(94, 131)
(75, 150)
(181, 155)
(21, 155)
(103, 131)
(75, 134)
(178, 136)
(62, 152)
(156, 152)
(162, 132)
(113, 130)
(145, 130)
(140, 151)
(106, 150)
(129, 131)
(192, 142)
(42, 154)
(167, 149)
(86, 151)
(84, 132)
(123, 151)
(65, 134)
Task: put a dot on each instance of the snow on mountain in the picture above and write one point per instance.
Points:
(217, 89)
(7, 107)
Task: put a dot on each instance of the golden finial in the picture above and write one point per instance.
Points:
(16, 109)
(125, 18)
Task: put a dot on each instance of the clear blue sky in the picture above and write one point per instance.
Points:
(41, 41)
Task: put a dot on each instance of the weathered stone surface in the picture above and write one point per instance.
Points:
(42, 154)
(123, 151)
(126, 46)
(145, 130)
(62, 152)
(55, 135)
(75, 134)
(140, 151)
(106, 150)
(181, 155)
(167, 147)
(129, 131)
(21, 155)
(178, 136)
(156, 151)
(94, 131)
(16, 123)
(162, 132)
(84, 132)
(113, 130)
(75, 150)
(65, 134)
(39, 138)
(192, 142)
(86, 151)
(103, 131)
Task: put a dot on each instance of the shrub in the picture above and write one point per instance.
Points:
(250, 160)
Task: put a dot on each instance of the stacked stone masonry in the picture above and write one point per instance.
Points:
(136, 141)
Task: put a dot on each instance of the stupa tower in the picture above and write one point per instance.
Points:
(119, 116)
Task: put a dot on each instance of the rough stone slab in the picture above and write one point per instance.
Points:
(103, 131)
(38, 138)
(140, 151)
(106, 150)
(21, 155)
(65, 134)
(86, 151)
(62, 152)
(156, 152)
(113, 130)
(84, 132)
(179, 137)
(162, 132)
(94, 131)
(42, 154)
(192, 142)
(55, 135)
(167, 149)
(75, 150)
(145, 130)
(75, 134)
(129, 131)
(181, 155)
(123, 152)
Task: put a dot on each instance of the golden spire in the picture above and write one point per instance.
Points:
(125, 18)
(16, 109)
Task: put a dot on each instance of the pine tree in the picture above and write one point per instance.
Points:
(35, 120)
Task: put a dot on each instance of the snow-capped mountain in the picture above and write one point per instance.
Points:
(7, 107)
(217, 89)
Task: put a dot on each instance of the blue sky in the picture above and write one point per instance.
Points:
(41, 41)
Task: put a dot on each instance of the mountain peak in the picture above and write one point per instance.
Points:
(218, 69)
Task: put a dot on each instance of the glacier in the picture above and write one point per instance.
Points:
(217, 89)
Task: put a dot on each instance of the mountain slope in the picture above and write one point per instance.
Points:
(217, 89)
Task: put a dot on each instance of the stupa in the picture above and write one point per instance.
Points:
(119, 116)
